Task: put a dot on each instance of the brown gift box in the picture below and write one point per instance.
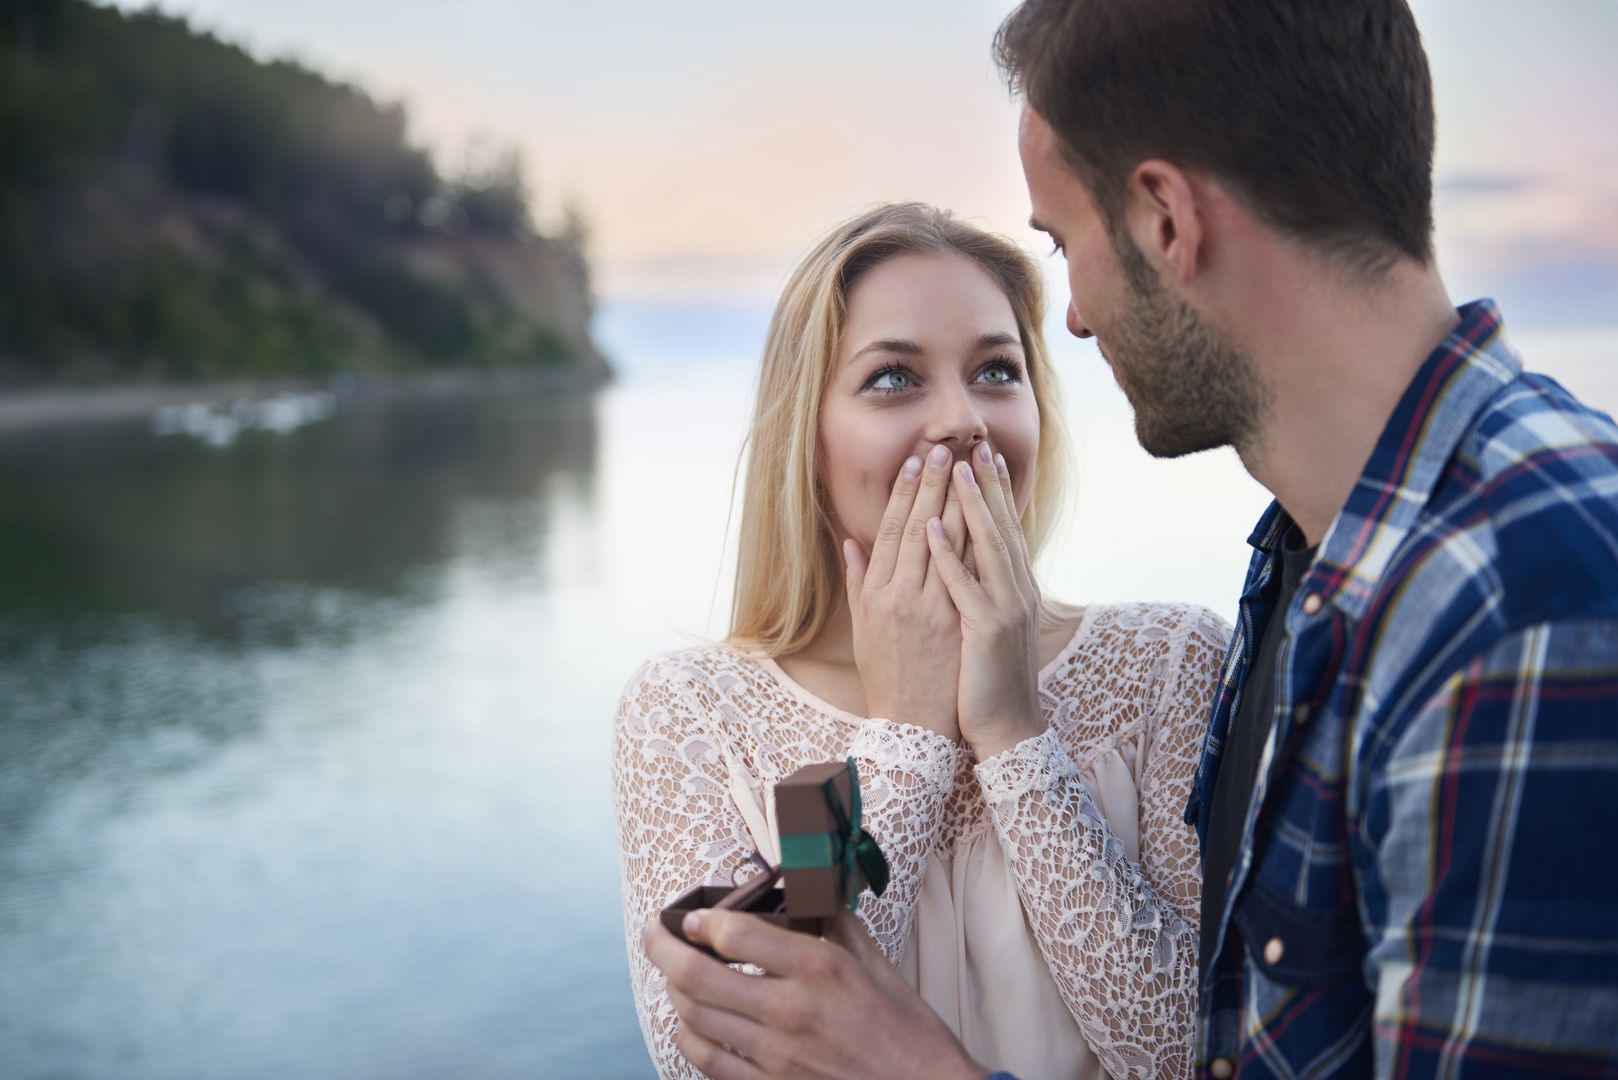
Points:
(804, 818)
(807, 895)
(768, 903)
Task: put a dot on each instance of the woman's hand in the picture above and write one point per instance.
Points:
(907, 635)
(998, 702)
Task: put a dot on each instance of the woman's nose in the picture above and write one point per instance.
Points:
(956, 420)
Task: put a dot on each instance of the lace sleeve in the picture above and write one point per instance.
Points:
(1120, 939)
(677, 827)
(906, 772)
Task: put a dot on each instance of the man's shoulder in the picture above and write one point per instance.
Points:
(1536, 495)
(1521, 530)
(1533, 421)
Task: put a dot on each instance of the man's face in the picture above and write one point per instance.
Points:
(1191, 388)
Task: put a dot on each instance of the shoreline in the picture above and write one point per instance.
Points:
(67, 406)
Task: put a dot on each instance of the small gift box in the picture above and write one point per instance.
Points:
(827, 857)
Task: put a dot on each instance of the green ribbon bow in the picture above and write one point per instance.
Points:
(848, 844)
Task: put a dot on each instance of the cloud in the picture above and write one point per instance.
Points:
(694, 275)
(1486, 183)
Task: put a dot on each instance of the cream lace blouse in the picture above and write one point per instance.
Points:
(1044, 902)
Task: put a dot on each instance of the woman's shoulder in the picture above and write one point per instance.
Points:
(1138, 651)
(1154, 627)
(689, 667)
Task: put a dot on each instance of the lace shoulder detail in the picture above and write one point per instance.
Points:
(1117, 675)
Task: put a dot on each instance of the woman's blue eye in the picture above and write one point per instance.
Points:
(1001, 373)
(890, 380)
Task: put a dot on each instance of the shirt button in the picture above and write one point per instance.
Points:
(1301, 714)
(1221, 1069)
(1274, 949)
(1311, 604)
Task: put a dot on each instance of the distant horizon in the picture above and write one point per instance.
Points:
(708, 148)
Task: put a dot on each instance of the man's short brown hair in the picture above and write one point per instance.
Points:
(1317, 113)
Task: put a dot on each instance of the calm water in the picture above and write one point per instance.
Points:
(304, 743)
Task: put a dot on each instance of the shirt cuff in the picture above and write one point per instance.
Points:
(921, 752)
(1036, 763)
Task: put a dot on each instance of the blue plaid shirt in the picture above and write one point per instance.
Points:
(1428, 877)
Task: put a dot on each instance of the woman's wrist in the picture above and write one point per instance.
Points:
(988, 740)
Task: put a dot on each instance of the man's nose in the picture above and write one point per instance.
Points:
(1075, 325)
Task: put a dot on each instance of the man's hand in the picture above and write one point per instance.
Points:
(831, 1007)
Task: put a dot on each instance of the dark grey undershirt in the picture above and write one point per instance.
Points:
(1244, 743)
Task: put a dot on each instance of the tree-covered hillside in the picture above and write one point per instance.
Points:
(172, 208)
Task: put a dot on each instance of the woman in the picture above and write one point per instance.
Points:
(905, 379)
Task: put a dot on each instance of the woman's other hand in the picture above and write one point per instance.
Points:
(999, 605)
(907, 634)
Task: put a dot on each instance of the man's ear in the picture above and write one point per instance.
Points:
(1166, 217)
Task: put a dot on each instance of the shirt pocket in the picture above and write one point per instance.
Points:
(1297, 946)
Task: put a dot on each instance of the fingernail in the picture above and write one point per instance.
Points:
(939, 456)
(692, 923)
(983, 453)
(1000, 463)
(912, 468)
(965, 471)
(936, 527)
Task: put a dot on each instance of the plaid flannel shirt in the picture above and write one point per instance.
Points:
(1427, 882)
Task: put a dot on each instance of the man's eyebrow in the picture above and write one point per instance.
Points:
(891, 345)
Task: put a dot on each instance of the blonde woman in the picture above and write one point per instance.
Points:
(904, 365)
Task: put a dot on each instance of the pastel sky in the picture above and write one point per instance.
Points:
(709, 143)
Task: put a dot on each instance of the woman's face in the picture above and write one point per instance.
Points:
(930, 354)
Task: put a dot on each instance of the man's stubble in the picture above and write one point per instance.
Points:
(1192, 389)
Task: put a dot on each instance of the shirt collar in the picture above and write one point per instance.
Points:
(1266, 535)
(1467, 369)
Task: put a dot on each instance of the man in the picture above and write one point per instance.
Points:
(1409, 786)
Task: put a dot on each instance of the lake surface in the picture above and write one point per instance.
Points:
(304, 736)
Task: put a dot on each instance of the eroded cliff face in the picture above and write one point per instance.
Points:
(134, 283)
(176, 210)
(539, 282)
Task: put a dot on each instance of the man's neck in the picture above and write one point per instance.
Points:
(1336, 357)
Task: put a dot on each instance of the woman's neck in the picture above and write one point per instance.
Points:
(834, 644)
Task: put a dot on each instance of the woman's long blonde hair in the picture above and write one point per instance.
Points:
(789, 574)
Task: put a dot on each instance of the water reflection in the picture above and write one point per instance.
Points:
(110, 520)
(279, 788)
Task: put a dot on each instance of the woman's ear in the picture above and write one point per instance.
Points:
(1166, 218)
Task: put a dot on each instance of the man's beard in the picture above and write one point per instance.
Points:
(1190, 387)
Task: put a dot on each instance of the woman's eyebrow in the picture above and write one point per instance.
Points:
(997, 341)
(902, 347)
(891, 345)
